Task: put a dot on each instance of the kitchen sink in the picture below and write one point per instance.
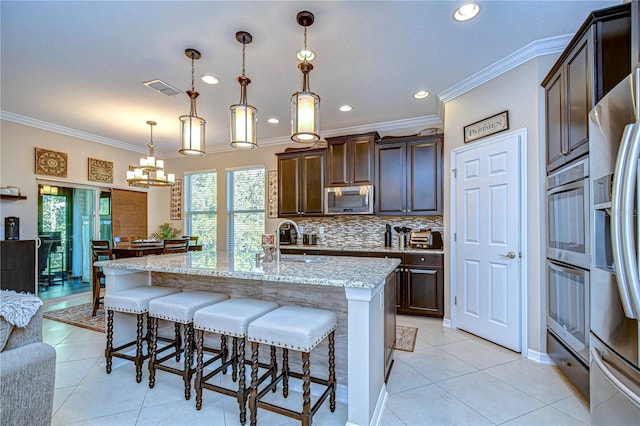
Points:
(303, 259)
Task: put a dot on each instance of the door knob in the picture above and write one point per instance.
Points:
(510, 255)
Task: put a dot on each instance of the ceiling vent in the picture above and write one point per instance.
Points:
(162, 87)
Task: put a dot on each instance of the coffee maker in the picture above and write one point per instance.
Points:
(11, 228)
(288, 234)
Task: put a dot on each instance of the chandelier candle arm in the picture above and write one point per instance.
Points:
(244, 121)
(192, 127)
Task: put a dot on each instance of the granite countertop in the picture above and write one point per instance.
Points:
(336, 271)
(368, 249)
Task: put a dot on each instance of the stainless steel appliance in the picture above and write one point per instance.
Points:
(288, 234)
(349, 200)
(11, 228)
(426, 239)
(614, 144)
(568, 214)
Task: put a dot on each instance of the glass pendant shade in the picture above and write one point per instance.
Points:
(192, 135)
(305, 117)
(244, 122)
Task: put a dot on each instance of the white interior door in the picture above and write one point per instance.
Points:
(487, 247)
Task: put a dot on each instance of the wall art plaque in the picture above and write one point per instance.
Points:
(100, 171)
(489, 126)
(51, 163)
(272, 194)
(176, 200)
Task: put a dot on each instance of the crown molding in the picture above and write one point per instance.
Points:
(542, 47)
(55, 128)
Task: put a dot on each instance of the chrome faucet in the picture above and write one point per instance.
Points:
(290, 222)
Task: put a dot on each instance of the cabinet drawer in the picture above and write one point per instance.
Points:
(387, 255)
(423, 259)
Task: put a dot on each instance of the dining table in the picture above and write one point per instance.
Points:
(143, 248)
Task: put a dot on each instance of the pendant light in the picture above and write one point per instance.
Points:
(244, 121)
(305, 105)
(191, 126)
(151, 170)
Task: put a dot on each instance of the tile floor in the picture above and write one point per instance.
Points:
(451, 378)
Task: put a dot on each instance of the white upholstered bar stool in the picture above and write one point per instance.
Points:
(133, 301)
(300, 329)
(178, 308)
(230, 318)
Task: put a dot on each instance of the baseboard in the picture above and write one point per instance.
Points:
(540, 357)
(382, 402)
(446, 322)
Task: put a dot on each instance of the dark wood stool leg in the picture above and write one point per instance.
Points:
(285, 372)
(139, 356)
(96, 295)
(253, 406)
(274, 368)
(234, 359)
(242, 394)
(199, 368)
(188, 359)
(332, 372)
(153, 347)
(178, 340)
(306, 389)
(108, 352)
(225, 352)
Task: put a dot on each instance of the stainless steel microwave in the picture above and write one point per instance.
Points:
(349, 200)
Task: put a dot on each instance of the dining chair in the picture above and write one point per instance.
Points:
(179, 245)
(193, 239)
(101, 250)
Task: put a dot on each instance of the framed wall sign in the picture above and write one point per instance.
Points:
(100, 171)
(51, 163)
(176, 200)
(489, 126)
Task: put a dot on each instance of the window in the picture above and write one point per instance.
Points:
(245, 209)
(200, 208)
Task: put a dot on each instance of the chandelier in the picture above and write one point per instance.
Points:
(192, 126)
(244, 121)
(151, 170)
(305, 105)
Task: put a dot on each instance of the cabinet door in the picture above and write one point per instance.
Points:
(391, 179)
(361, 160)
(337, 164)
(424, 178)
(555, 119)
(424, 292)
(312, 184)
(288, 185)
(579, 81)
(389, 322)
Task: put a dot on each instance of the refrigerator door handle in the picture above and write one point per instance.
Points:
(619, 178)
(628, 227)
(601, 363)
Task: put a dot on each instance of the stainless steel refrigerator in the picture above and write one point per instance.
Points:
(614, 152)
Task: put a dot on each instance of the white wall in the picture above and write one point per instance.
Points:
(519, 92)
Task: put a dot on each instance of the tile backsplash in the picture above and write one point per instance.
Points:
(364, 230)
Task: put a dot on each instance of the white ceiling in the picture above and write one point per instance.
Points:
(81, 64)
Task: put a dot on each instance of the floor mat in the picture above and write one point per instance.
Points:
(80, 316)
(406, 338)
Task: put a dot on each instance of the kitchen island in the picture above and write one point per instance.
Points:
(359, 290)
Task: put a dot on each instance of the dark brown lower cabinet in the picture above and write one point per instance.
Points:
(423, 285)
(389, 323)
(18, 265)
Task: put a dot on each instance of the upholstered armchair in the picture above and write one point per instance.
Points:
(27, 375)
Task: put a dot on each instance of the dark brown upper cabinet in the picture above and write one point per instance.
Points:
(409, 176)
(596, 59)
(301, 183)
(350, 159)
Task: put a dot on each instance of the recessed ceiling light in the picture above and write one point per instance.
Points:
(345, 108)
(308, 54)
(421, 94)
(210, 79)
(466, 12)
(273, 120)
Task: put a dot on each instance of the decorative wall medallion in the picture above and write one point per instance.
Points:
(272, 194)
(100, 171)
(176, 200)
(51, 163)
